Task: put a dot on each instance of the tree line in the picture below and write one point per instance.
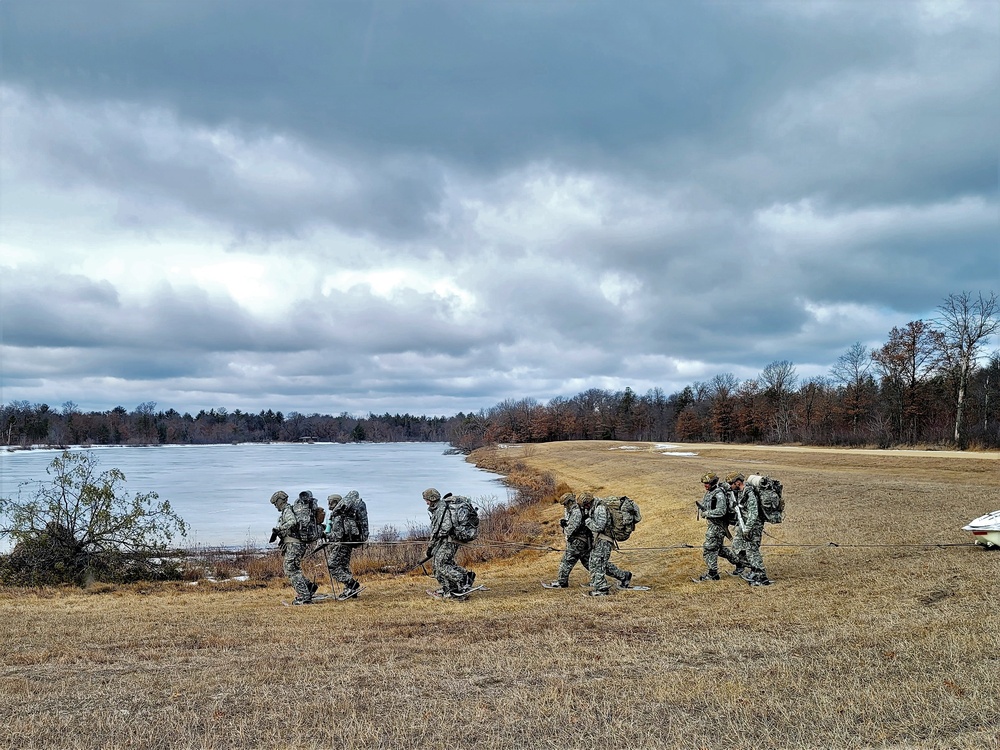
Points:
(925, 385)
(31, 424)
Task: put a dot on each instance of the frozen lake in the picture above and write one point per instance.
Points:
(223, 491)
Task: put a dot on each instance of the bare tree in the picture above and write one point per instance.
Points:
(723, 387)
(906, 362)
(853, 371)
(853, 366)
(778, 380)
(966, 323)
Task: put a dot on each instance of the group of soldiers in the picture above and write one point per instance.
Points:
(739, 507)
(301, 523)
(586, 524)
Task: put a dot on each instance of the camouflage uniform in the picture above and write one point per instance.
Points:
(578, 540)
(292, 548)
(715, 536)
(739, 545)
(600, 555)
(452, 576)
(342, 531)
(753, 519)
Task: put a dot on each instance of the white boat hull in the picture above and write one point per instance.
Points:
(986, 530)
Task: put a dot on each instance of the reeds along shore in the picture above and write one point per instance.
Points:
(884, 641)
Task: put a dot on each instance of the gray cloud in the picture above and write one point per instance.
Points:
(387, 206)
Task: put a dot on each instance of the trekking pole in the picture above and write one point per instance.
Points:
(326, 555)
(408, 568)
(323, 546)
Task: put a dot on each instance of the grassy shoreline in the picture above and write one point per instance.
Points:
(882, 644)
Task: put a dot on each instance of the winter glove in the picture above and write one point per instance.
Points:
(563, 522)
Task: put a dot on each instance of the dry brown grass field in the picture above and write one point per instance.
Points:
(875, 643)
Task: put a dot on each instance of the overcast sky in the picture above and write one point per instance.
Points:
(430, 207)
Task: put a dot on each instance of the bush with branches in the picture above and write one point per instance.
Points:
(82, 526)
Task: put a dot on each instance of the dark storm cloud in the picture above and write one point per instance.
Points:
(477, 83)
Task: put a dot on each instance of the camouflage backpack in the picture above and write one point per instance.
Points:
(772, 504)
(355, 517)
(623, 515)
(305, 513)
(464, 518)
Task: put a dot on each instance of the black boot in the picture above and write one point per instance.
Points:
(351, 589)
(712, 575)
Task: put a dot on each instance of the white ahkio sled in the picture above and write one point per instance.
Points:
(986, 530)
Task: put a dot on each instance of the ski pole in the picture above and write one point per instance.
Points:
(326, 555)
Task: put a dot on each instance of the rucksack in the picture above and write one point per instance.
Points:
(772, 504)
(623, 515)
(355, 517)
(305, 514)
(464, 518)
(716, 505)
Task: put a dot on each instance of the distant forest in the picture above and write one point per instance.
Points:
(924, 386)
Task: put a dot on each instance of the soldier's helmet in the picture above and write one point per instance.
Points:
(332, 500)
(710, 478)
(734, 476)
(567, 498)
(431, 495)
(279, 497)
(305, 495)
(586, 499)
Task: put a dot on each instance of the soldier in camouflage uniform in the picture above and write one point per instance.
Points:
(732, 485)
(342, 541)
(443, 548)
(600, 555)
(578, 540)
(747, 540)
(293, 548)
(716, 531)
